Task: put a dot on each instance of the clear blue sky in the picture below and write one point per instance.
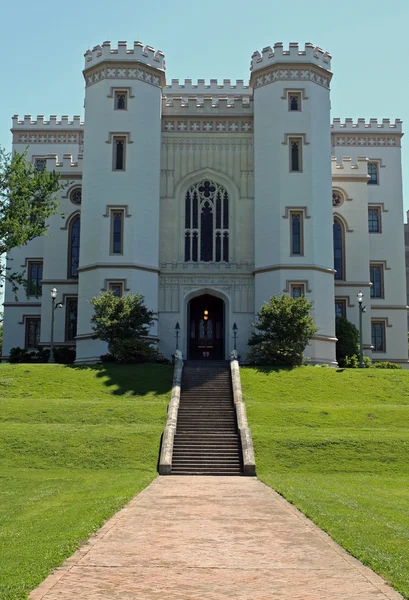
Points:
(43, 45)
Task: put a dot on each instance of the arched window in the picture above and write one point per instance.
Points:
(206, 223)
(339, 249)
(73, 247)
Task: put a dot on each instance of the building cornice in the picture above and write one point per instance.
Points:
(114, 265)
(123, 71)
(291, 72)
(269, 268)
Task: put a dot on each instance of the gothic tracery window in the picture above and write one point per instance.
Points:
(339, 249)
(206, 223)
(74, 247)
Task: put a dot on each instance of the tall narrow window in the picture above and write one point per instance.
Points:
(35, 275)
(40, 164)
(295, 155)
(339, 249)
(294, 101)
(120, 100)
(117, 231)
(376, 276)
(71, 318)
(374, 220)
(74, 247)
(378, 336)
(33, 326)
(296, 233)
(206, 223)
(373, 173)
(119, 153)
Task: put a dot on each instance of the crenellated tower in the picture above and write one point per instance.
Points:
(121, 180)
(292, 183)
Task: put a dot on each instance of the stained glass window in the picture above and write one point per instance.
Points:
(340, 307)
(74, 247)
(120, 100)
(119, 157)
(339, 265)
(33, 326)
(374, 220)
(378, 336)
(206, 223)
(373, 173)
(296, 233)
(76, 196)
(376, 276)
(295, 156)
(294, 101)
(117, 232)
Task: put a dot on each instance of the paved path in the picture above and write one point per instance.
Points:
(211, 538)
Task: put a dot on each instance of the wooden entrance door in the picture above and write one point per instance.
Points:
(206, 328)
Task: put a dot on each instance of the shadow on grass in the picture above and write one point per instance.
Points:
(270, 368)
(132, 380)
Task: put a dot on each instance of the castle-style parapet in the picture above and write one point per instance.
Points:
(66, 166)
(344, 167)
(383, 126)
(53, 122)
(213, 88)
(216, 106)
(271, 56)
(138, 52)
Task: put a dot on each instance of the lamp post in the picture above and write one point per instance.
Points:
(235, 328)
(53, 308)
(362, 309)
(177, 329)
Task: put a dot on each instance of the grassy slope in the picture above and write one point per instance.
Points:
(336, 444)
(76, 444)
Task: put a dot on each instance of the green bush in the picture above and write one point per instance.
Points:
(284, 328)
(352, 362)
(348, 339)
(384, 364)
(136, 351)
(62, 354)
(21, 355)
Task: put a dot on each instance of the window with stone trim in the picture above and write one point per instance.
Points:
(32, 334)
(34, 278)
(294, 101)
(121, 100)
(296, 233)
(207, 223)
(378, 330)
(377, 279)
(119, 150)
(341, 307)
(295, 145)
(117, 231)
(373, 172)
(40, 164)
(116, 287)
(71, 318)
(74, 247)
(76, 196)
(297, 290)
(374, 219)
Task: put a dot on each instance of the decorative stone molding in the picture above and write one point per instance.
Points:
(165, 460)
(357, 139)
(207, 125)
(53, 137)
(291, 73)
(249, 463)
(123, 72)
(224, 143)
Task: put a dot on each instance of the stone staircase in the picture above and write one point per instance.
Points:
(207, 441)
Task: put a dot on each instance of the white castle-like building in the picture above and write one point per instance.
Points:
(210, 198)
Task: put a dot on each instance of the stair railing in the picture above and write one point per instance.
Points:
(165, 461)
(249, 463)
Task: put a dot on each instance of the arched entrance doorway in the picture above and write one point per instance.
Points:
(206, 316)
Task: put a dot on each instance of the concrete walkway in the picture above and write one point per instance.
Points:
(211, 538)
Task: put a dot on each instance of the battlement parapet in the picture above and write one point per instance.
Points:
(40, 122)
(374, 125)
(213, 88)
(345, 167)
(200, 105)
(270, 56)
(140, 53)
(66, 165)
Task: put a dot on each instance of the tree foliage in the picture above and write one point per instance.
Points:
(284, 328)
(123, 323)
(27, 199)
(348, 339)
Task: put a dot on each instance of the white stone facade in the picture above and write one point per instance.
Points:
(222, 191)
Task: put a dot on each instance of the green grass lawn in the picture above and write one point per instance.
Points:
(76, 443)
(336, 444)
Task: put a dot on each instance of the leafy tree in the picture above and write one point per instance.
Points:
(27, 199)
(124, 323)
(284, 328)
(348, 339)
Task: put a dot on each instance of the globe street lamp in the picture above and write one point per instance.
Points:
(177, 329)
(362, 309)
(235, 328)
(53, 308)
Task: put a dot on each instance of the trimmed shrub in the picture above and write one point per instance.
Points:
(348, 339)
(385, 364)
